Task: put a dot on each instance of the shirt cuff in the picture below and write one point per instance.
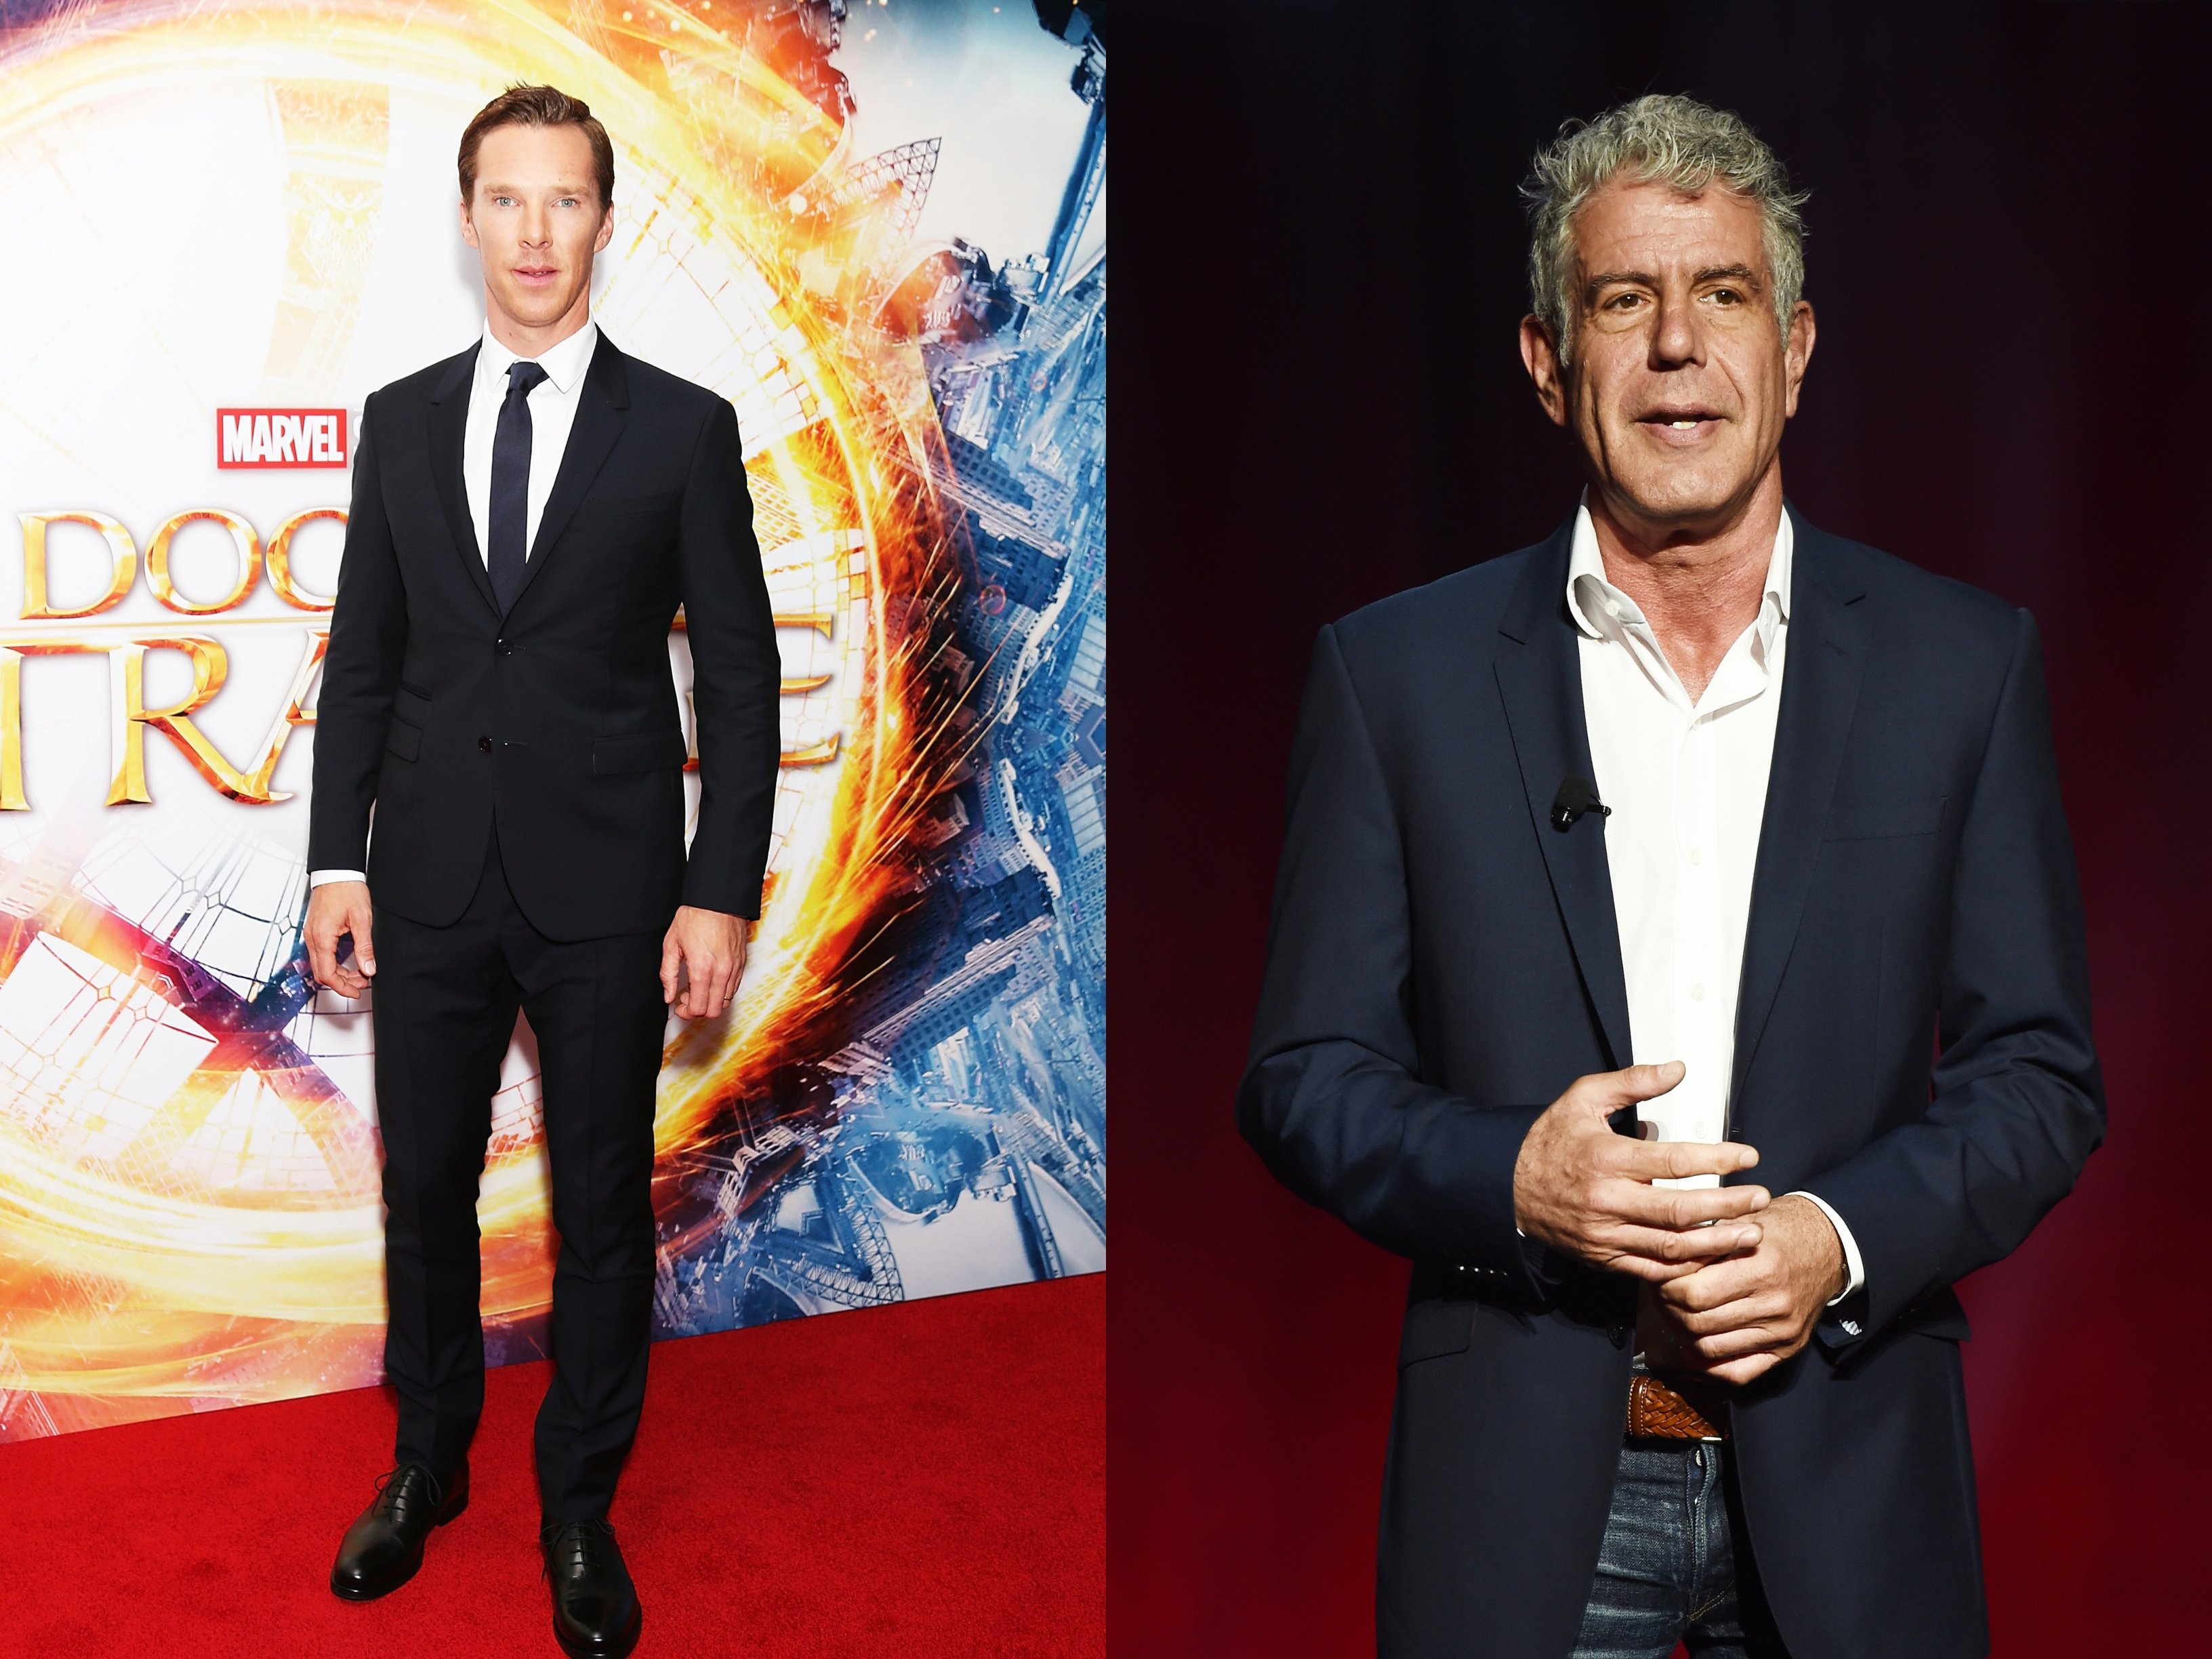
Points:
(1852, 1263)
(319, 878)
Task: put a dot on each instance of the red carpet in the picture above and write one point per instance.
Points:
(922, 1479)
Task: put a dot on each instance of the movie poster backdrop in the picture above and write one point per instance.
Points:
(879, 230)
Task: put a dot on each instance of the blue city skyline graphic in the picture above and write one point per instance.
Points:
(958, 1141)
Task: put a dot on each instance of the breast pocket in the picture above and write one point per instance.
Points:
(629, 510)
(1885, 820)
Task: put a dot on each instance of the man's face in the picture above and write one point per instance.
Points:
(1680, 382)
(536, 219)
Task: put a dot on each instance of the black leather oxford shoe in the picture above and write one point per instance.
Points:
(595, 1611)
(382, 1549)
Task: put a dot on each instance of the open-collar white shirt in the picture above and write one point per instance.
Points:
(1685, 779)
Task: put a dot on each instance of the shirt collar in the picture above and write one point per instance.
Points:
(564, 364)
(1593, 602)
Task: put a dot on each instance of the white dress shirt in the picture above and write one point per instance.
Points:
(552, 412)
(1686, 783)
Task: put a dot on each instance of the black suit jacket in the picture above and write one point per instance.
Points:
(1444, 962)
(558, 722)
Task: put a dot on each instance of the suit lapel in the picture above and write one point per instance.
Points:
(1820, 695)
(1540, 680)
(449, 422)
(602, 406)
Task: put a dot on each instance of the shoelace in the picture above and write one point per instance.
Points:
(574, 1545)
(394, 1495)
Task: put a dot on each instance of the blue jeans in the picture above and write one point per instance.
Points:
(1667, 1570)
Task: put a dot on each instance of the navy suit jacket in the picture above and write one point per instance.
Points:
(1443, 963)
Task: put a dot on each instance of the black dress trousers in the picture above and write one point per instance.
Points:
(443, 1007)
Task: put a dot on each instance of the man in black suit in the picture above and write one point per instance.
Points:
(526, 518)
(1671, 845)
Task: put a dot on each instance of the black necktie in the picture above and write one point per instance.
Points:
(508, 553)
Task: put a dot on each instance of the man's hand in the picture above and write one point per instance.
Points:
(1580, 1187)
(335, 909)
(701, 962)
(1737, 1318)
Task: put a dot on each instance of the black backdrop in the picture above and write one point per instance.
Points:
(1318, 401)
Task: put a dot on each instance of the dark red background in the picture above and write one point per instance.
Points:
(1318, 401)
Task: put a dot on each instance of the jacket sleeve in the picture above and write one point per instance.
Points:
(361, 671)
(736, 676)
(1332, 1097)
(2019, 1101)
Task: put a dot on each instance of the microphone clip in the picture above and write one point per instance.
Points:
(1577, 795)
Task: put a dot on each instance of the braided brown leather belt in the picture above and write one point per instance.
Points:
(1658, 1410)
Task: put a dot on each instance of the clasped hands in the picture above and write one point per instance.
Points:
(1733, 1279)
(702, 956)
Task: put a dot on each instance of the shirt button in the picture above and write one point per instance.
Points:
(1696, 855)
(484, 744)
(1696, 993)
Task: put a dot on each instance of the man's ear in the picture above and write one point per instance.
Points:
(1797, 353)
(469, 227)
(1539, 355)
(606, 229)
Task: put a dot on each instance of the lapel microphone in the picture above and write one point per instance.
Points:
(1576, 796)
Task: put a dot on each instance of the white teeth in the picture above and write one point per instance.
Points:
(1683, 426)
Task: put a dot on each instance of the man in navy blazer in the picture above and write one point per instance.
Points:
(1673, 846)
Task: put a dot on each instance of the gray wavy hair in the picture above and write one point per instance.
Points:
(1668, 139)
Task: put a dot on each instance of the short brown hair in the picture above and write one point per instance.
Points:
(538, 107)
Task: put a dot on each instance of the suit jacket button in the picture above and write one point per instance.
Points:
(505, 648)
(1618, 1333)
(484, 744)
